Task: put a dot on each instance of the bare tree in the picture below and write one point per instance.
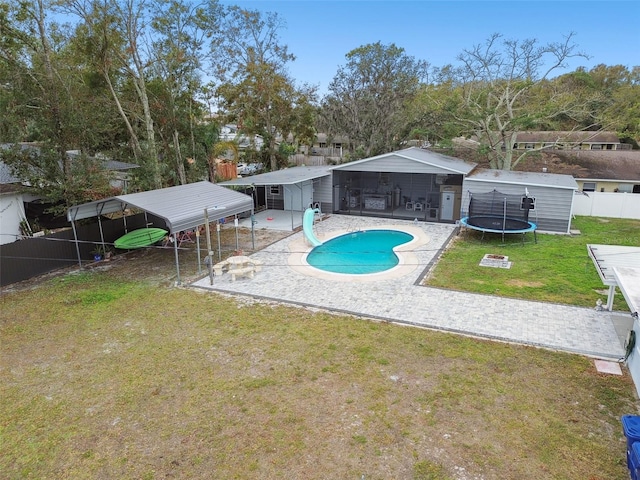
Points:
(496, 79)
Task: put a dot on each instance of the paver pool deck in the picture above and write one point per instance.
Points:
(397, 296)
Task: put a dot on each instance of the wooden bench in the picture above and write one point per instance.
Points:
(241, 272)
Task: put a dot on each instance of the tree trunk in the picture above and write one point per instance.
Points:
(176, 145)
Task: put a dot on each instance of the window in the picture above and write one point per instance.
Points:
(274, 189)
(528, 203)
(589, 187)
(625, 188)
(529, 146)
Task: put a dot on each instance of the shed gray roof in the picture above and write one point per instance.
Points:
(286, 176)
(419, 155)
(524, 178)
(182, 207)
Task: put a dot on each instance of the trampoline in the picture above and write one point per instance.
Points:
(502, 213)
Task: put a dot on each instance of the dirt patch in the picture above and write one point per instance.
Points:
(157, 264)
(517, 282)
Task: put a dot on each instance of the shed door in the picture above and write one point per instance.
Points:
(298, 196)
(446, 206)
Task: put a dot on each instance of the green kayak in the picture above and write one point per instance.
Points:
(142, 237)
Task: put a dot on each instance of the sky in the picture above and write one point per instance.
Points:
(321, 32)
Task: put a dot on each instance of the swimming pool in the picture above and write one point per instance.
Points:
(362, 252)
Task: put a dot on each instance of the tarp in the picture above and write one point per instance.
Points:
(182, 207)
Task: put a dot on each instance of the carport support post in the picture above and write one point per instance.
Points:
(209, 251)
(253, 238)
(612, 291)
(75, 237)
(235, 223)
(198, 248)
(219, 249)
(175, 250)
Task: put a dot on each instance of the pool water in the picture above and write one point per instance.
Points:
(368, 251)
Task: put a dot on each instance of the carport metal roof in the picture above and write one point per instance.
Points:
(182, 207)
(608, 258)
(628, 280)
(286, 176)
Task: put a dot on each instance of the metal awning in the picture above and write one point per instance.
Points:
(608, 258)
(628, 280)
(182, 207)
(286, 176)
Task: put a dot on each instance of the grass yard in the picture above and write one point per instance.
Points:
(102, 377)
(557, 269)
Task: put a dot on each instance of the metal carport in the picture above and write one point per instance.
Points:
(183, 207)
(606, 257)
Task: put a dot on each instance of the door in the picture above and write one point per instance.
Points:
(298, 197)
(446, 206)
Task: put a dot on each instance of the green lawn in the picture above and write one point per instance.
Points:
(556, 269)
(104, 377)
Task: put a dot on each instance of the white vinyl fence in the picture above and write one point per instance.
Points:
(607, 204)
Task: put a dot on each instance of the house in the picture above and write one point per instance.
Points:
(12, 214)
(595, 171)
(120, 172)
(32, 212)
(569, 140)
(552, 194)
(413, 183)
(232, 133)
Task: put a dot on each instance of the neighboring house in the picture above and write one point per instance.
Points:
(553, 194)
(328, 146)
(231, 133)
(12, 212)
(569, 141)
(18, 207)
(594, 171)
(120, 172)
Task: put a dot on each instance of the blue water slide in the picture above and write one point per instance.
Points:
(307, 226)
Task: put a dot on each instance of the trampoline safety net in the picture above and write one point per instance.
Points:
(493, 204)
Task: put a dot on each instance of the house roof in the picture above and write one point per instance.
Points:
(286, 176)
(568, 136)
(182, 207)
(524, 178)
(621, 165)
(6, 177)
(419, 155)
(323, 137)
